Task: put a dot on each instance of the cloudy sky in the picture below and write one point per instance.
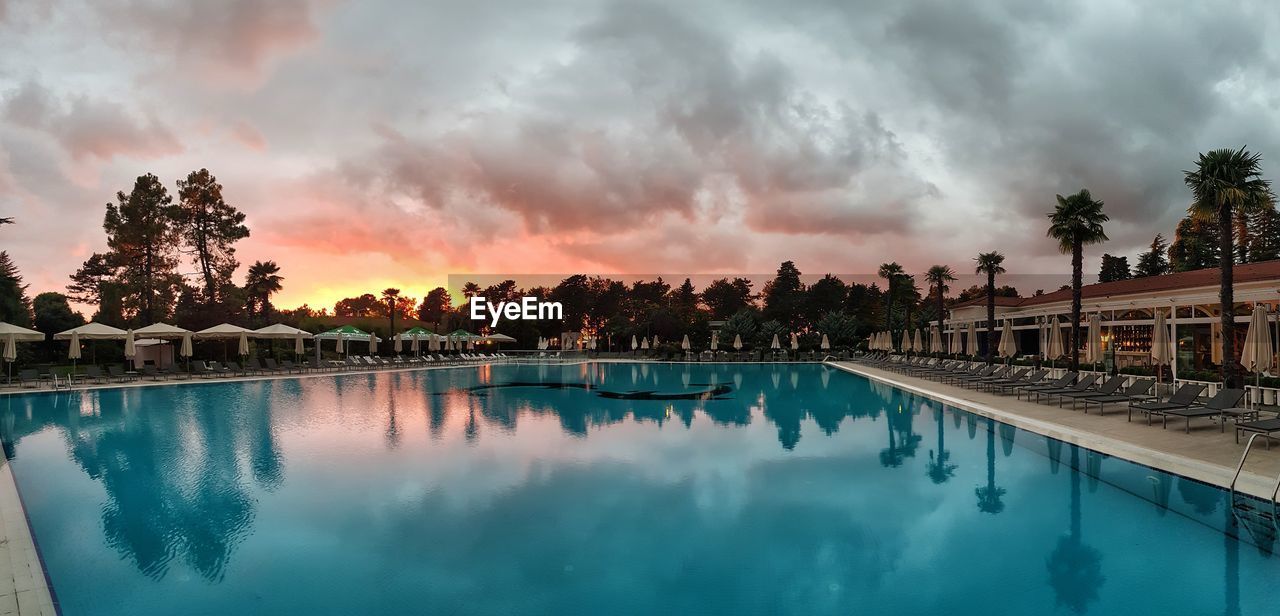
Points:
(382, 143)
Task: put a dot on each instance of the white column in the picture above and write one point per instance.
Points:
(1174, 321)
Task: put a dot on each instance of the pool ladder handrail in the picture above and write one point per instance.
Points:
(1275, 491)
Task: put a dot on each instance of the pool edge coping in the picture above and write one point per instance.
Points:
(32, 589)
(1250, 483)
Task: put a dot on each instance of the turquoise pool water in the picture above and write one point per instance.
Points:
(602, 489)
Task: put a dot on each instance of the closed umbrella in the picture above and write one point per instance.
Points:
(185, 349)
(337, 347)
(10, 352)
(775, 345)
(129, 350)
(414, 345)
(972, 341)
(957, 346)
(373, 344)
(935, 339)
(298, 348)
(655, 341)
(398, 345)
(243, 348)
(795, 342)
(917, 344)
(715, 341)
(825, 344)
(634, 343)
(1093, 344)
(1161, 345)
(684, 344)
(1053, 348)
(1256, 355)
(737, 342)
(1008, 344)
(644, 343)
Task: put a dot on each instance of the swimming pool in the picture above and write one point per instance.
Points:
(601, 489)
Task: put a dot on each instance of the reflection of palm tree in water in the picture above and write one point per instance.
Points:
(393, 431)
(990, 494)
(902, 441)
(1075, 569)
(939, 469)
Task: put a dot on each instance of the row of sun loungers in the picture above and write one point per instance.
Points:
(251, 367)
(1089, 390)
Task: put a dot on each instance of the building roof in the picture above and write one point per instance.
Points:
(1242, 273)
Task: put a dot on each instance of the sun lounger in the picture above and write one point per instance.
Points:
(1083, 384)
(1181, 399)
(1136, 391)
(1220, 402)
(1106, 389)
(1035, 378)
(1064, 381)
(29, 378)
(1012, 374)
(94, 373)
(1265, 427)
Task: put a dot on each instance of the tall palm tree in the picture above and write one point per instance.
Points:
(1076, 221)
(391, 295)
(938, 276)
(1223, 182)
(991, 264)
(890, 272)
(262, 281)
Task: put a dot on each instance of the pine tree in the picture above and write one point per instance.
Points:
(210, 227)
(1154, 262)
(15, 306)
(1195, 246)
(1264, 243)
(1114, 268)
(143, 237)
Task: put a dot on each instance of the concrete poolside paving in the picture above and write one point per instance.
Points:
(1206, 454)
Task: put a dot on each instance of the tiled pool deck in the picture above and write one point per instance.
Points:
(1206, 455)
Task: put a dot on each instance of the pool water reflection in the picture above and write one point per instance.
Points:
(602, 488)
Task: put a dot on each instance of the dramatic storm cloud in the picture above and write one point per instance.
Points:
(388, 143)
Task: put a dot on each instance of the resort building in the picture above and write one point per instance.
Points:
(1189, 301)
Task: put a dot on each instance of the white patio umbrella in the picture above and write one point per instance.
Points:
(73, 352)
(224, 331)
(917, 344)
(956, 341)
(10, 352)
(795, 342)
(1093, 344)
(644, 343)
(737, 342)
(338, 346)
(775, 345)
(298, 347)
(1256, 355)
(1008, 344)
(1053, 336)
(373, 344)
(935, 339)
(825, 344)
(634, 344)
(684, 344)
(655, 341)
(715, 341)
(185, 350)
(1161, 344)
(279, 331)
(397, 346)
(130, 351)
(414, 345)
(243, 347)
(973, 339)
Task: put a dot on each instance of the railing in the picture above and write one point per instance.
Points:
(1275, 490)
